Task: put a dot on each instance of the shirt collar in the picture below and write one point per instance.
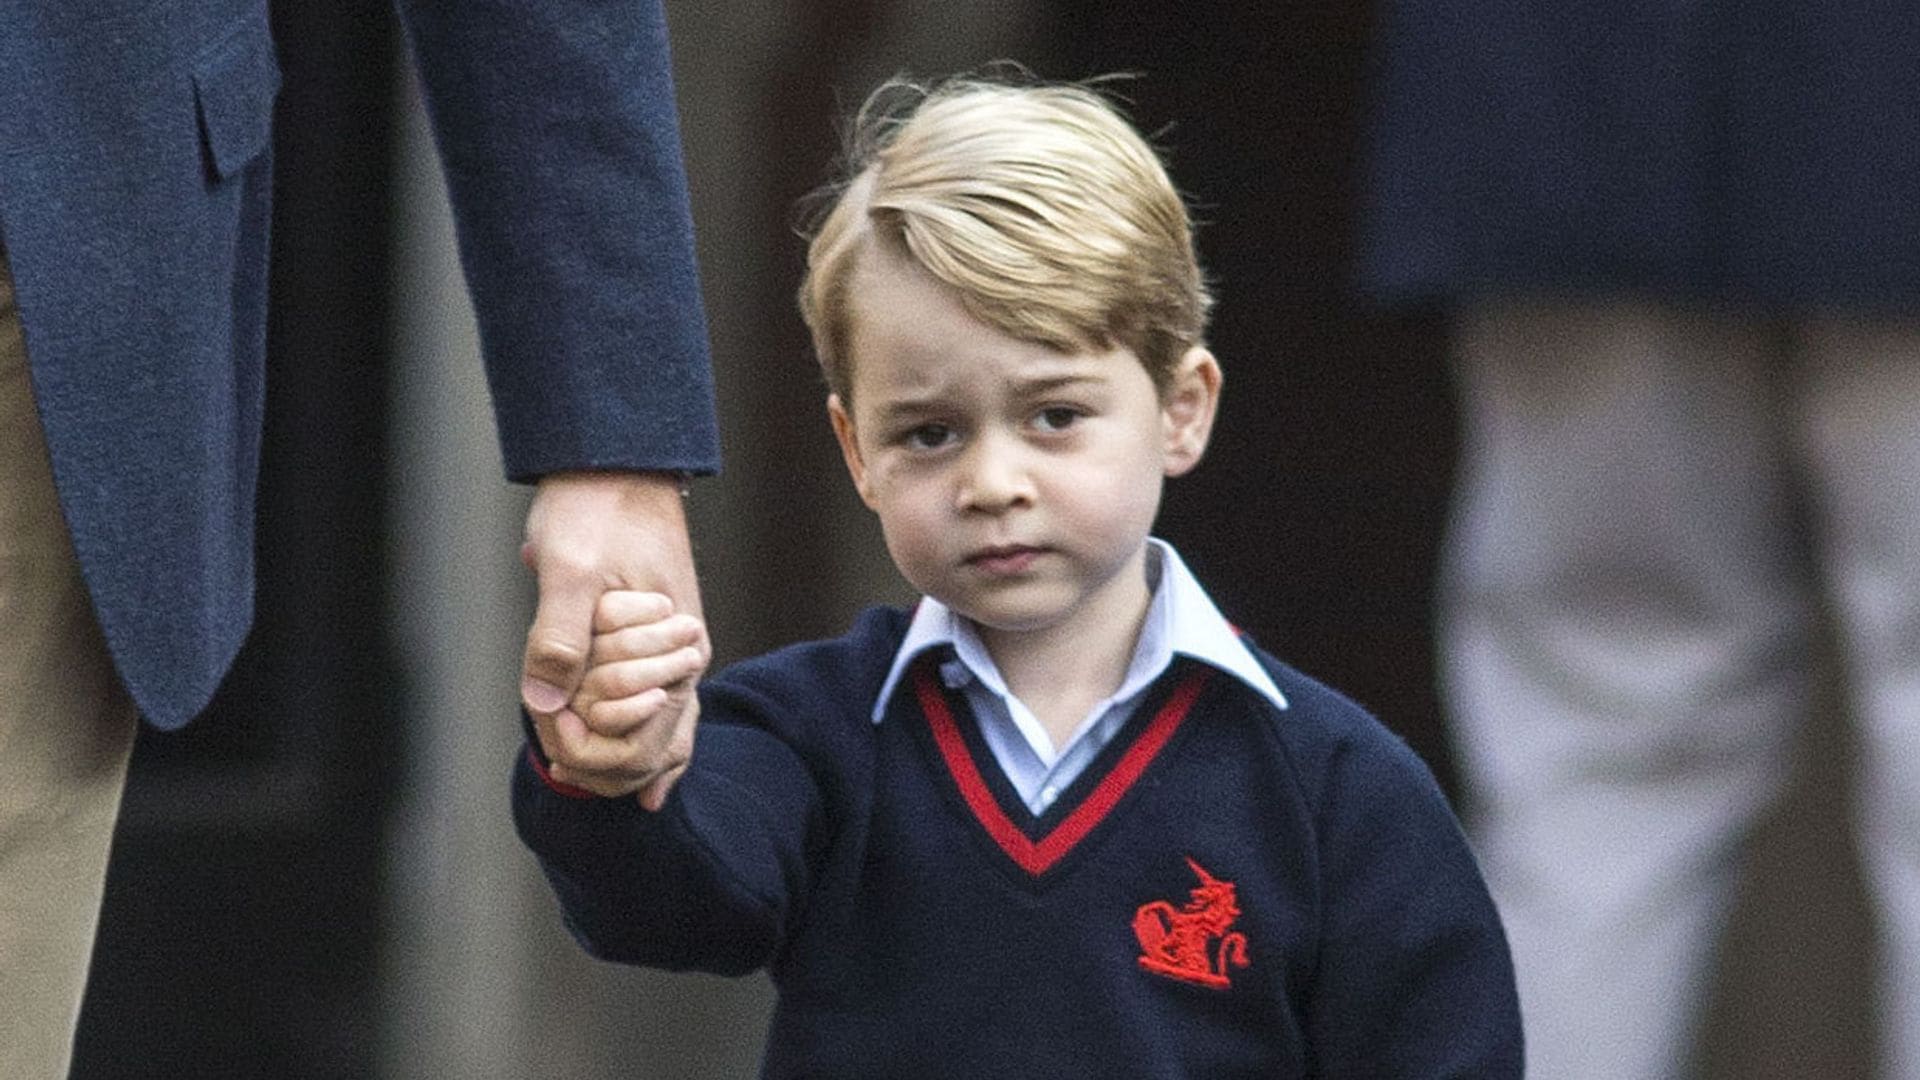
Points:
(1181, 618)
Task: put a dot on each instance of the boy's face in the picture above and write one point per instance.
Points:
(1014, 483)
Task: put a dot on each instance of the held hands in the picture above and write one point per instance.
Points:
(593, 534)
(630, 726)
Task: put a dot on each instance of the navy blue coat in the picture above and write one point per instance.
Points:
(135, 161)
(1754, 151)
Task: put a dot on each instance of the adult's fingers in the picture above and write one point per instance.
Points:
(561, 736)
(660, 744)
(618, 718)
(653, 794)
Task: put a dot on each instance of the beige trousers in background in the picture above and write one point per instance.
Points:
(66, 733)
(1656, 507)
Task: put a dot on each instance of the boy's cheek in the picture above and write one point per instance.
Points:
(914, 554)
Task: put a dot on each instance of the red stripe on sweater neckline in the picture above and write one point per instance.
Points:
(1036, 857)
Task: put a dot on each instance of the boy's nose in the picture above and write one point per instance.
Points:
(994, 478)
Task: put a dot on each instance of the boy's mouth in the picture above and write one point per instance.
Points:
(1005, 558)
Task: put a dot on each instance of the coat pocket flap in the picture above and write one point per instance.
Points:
(234, 85)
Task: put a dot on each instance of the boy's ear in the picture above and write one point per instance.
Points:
(849, 446)
(1192, 398)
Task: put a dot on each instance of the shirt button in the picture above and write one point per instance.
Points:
(1048, 794)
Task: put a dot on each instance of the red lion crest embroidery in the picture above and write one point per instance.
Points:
(1192, 943)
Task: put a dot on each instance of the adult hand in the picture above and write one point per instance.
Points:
(637, 700)
(588, 532)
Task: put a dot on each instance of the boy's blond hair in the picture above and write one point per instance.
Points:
(1038, 203)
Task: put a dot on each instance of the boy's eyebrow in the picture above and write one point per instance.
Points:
(896, 410)
(899, 410)
(1046, 384)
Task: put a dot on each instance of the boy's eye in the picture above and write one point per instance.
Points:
(928, 436)
(1057, 418)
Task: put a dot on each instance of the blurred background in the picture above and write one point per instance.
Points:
(319, 879)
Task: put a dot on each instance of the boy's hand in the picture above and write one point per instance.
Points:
(629, 728)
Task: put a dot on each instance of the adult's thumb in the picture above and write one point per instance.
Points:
(557, 646)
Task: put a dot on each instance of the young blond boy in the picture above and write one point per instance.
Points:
(1061, 819)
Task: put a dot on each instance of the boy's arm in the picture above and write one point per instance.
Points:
(711, 881)
(1414, 977)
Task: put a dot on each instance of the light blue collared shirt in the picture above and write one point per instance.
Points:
(1181, 619)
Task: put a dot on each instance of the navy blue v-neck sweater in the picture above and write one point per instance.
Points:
(1228, 890)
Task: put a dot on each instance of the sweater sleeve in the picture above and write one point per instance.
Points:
(1414, 977)
(711, 882)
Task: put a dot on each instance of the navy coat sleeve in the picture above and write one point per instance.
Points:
(556, 125)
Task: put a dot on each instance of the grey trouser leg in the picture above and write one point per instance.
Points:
(1858, 417)
(1625, 628)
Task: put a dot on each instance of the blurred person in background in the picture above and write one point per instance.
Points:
(1680, 248)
